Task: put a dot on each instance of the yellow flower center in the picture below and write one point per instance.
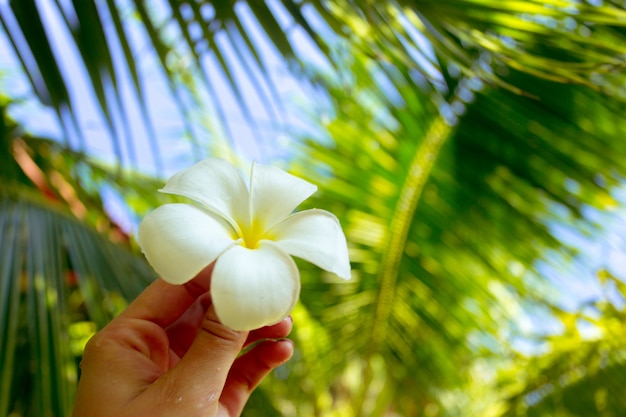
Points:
(252, 235)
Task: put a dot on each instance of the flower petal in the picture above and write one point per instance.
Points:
(216, 184)
(315, 236)
(179, 240)
(252, 288)
(274, 194)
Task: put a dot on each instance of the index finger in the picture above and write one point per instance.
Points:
(163, 303)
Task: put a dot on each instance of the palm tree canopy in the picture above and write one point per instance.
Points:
(451, 137)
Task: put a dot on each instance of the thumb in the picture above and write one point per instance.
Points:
(197, 381)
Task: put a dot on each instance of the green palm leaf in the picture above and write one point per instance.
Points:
(437, 274)
(60, 279)
(580, 374)
(558, 40)
(56, 274)
(460, 129)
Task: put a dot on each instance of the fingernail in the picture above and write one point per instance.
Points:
(287, 342)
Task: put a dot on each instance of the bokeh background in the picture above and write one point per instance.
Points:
(473, 150)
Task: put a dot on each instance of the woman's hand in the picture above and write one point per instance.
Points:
(167, 354)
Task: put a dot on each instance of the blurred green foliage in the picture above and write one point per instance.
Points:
(450, 137)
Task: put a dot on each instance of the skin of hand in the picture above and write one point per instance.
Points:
(167, 354)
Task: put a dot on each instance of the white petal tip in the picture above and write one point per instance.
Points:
(343, 273)
(344, 276)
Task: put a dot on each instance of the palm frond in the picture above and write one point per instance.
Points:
(481, 223)
(56, 274)
(199, 44)
(559, 381)
(66, 267)
(445, 178)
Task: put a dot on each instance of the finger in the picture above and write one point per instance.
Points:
(200, 375)
(277, 331)
(164, 303)
(183, 331)
(248, 371)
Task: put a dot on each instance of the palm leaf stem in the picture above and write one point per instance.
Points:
(9, 296)
(417, 176)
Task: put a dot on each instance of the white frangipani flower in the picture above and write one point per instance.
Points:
(251, 234)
